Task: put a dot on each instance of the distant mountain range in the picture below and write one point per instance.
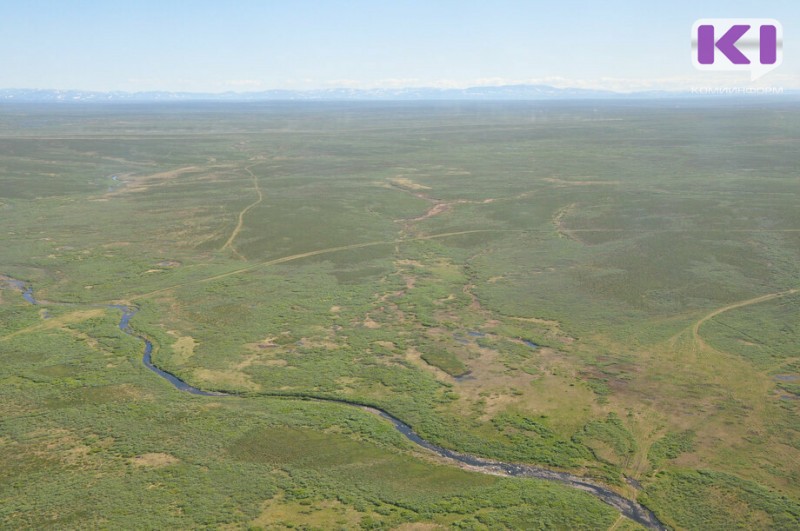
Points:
(488, 93)
(506, 92)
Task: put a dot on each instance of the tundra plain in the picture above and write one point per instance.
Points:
(605, 288)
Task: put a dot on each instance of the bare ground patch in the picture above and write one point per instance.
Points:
(141, 183)
(278, 513)
(183, 347)
(419, 526)
(558, 222)
(435, 210)
(226, 378)
(266, 343)
(323, 343)
(154, 460)
(370, 323)
(408, 184)
(581, 181)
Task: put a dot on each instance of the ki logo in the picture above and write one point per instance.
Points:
(753, 45)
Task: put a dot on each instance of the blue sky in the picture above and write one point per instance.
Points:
(206, 46)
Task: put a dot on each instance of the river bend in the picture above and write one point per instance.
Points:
(629, 508)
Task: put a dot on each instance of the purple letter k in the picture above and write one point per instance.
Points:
(726, 44)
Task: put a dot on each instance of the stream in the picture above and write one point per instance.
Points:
(629, 508)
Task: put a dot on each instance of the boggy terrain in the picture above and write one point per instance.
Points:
(600, 289)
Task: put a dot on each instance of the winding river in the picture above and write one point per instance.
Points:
(625, 506)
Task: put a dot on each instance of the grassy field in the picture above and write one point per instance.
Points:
(605, 288)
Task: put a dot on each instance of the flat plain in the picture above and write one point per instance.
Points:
(605, 288)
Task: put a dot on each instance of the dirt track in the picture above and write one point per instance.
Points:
(238, 229)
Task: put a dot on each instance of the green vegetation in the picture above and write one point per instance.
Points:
(608, 439)
(600, 288)
(446, 361)
(670, 446)
(766, 337)
(700, 499)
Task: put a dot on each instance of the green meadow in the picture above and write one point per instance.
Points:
(606, 288)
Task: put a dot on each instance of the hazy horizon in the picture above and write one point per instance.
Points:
(205, 47)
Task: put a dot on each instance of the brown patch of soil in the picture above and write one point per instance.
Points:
(408, 184)
(154, 460)
(369, 323)
(585, 182)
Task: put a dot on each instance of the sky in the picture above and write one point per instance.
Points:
(244, 46)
